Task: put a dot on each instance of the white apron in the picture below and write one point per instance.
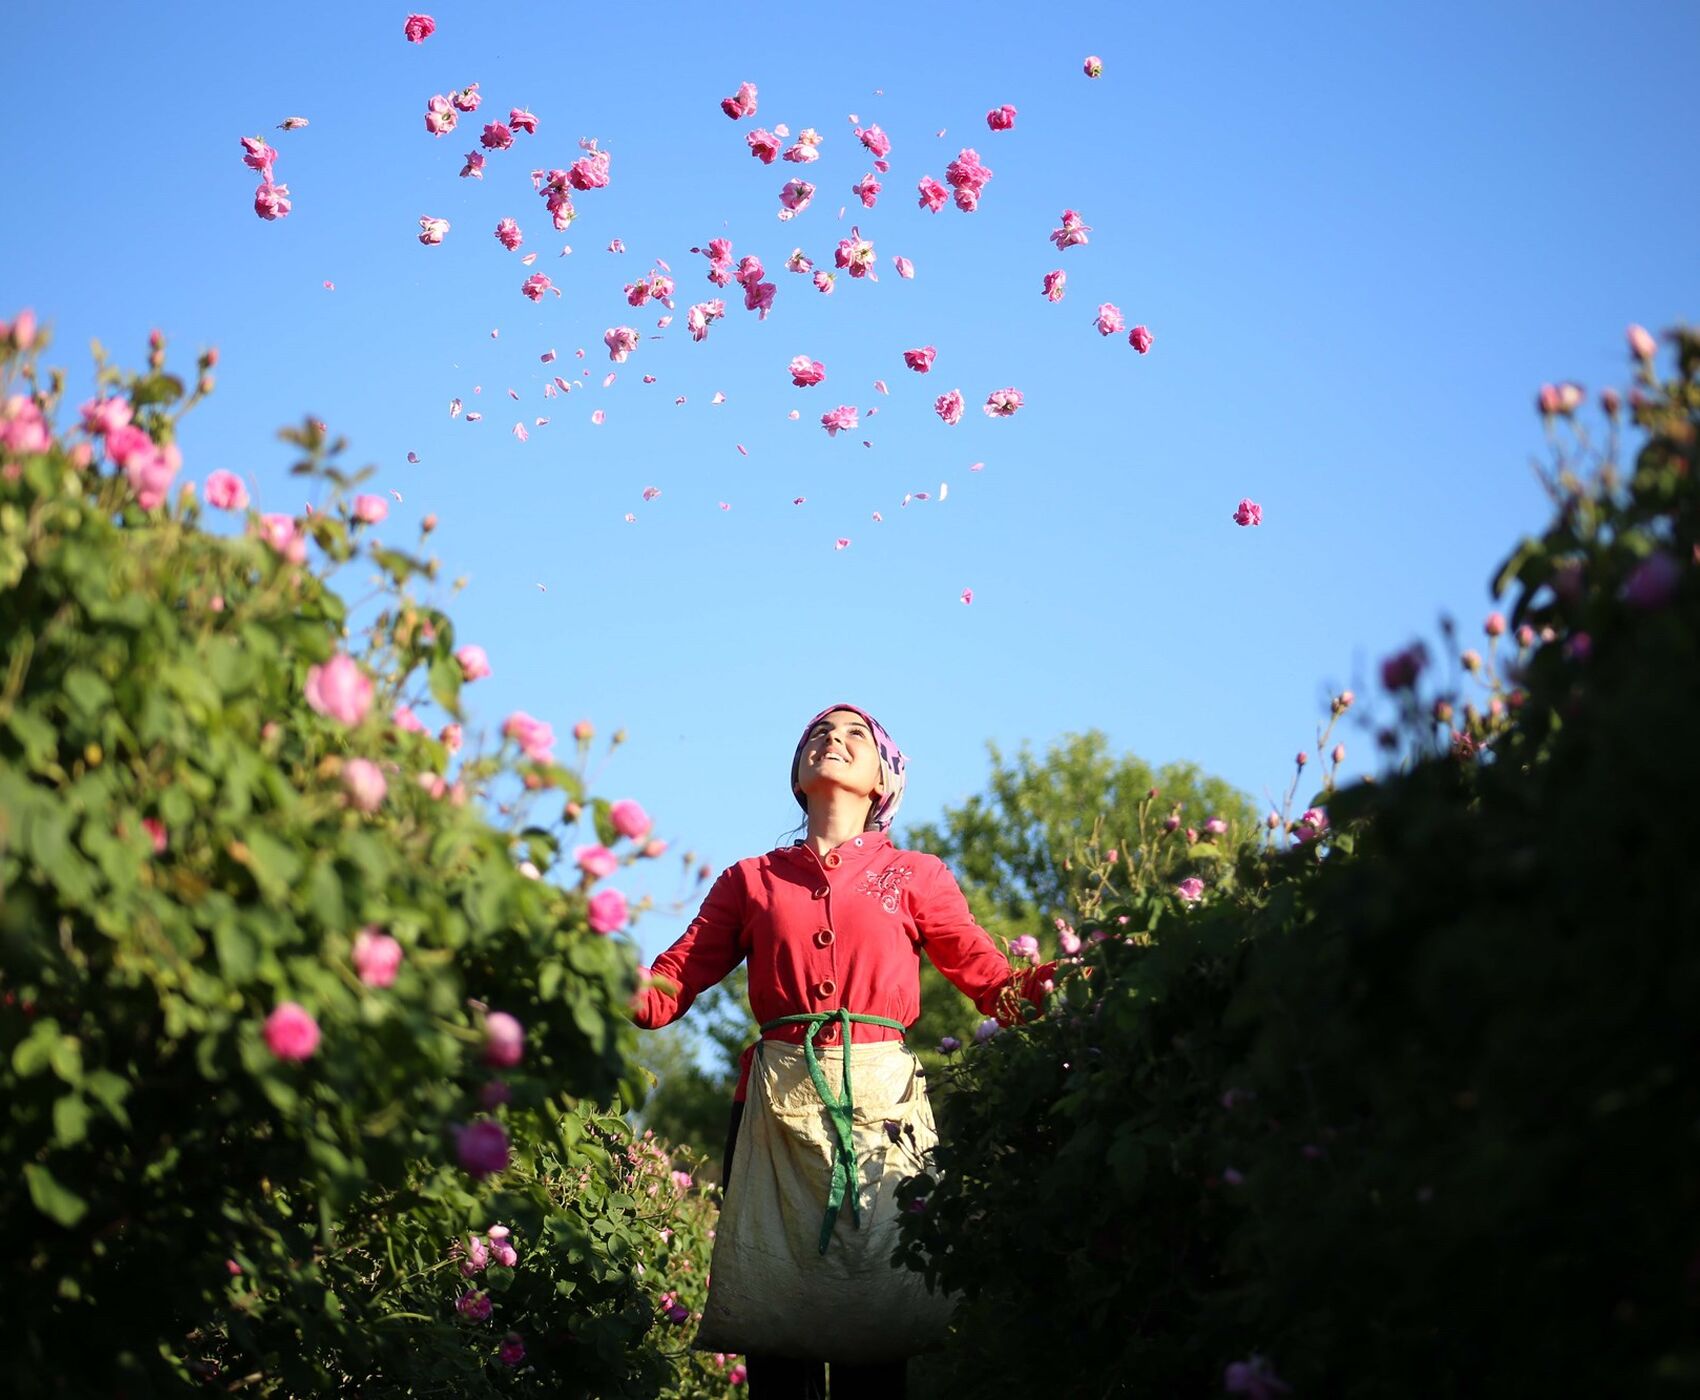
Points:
(771, 1289)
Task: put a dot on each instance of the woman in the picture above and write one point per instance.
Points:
(833, 927)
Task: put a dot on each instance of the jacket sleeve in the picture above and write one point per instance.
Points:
(702, 955)
(964, 952)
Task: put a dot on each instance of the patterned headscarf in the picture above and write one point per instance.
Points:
(892, 764)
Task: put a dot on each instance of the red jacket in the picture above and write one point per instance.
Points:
(844, 930)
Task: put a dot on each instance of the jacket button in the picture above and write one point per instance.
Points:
(823, 938)
(822, 892)
(827, 988)
(832, 860)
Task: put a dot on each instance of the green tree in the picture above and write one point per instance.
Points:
(1035, 848)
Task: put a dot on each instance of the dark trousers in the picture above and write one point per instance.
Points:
(786, 1378)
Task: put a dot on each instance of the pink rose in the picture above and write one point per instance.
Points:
(365, 784)
(1002, 403)
(103, 416)
(1001, 118)
(1140, 338)
(949, 406)
(291, 1032)
(431, 230)
(621, 341)
(856, 255)
(474, 167)
(225, 491)
(1311, 825)
(921, 361)
(407, 721)
(877, 142)
(1248, 512)
(1642, 345)
(440, 116)
(1093, 67)
(837, 420)
(629, 819)
(535, 738)
(703, 315)
(512, 1350)
(1109, 320)
(608, 911)
(589, 172)
(521, 120)
(805, 372)
(794, 198)
(967, 177)
(763, 144)
(867, 189)
(497, 136)
(741, 104)
(376, 957)
(467, 99)
(370, 510)
(257, 155)
(419, 28)
(150, 472)
(933, 194)
(508, 234)
(474, 664)
(598, 862)
(1190, 889)
(280, 532)
(504, 1040)
(1072, 233)
(824, 281)
(272, 201)
(1401, 670)
(1055, 284)
(339, 689)
(481, 1147)
(475, 1306)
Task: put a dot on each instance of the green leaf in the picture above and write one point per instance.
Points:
(274, 864)
(55, 1201)
(33, 1053)
(1528, 548)
(70, 1120)
(109, 1090)
(238, 954)
(602, 813)
(444, 679)
(39, 738)
(86, 691)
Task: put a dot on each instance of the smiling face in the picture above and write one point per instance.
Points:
(839, 752)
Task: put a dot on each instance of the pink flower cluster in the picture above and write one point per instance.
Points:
(968, 178)
(271, 200)
(657, 286)
(758, 295)
(557, 190)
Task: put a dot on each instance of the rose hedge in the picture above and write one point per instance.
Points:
(278, 1001)
(1410, 1110)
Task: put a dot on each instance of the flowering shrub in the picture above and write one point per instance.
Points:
(1405, 1110)
(282, 1012)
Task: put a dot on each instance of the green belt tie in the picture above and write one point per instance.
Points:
(838, 1110)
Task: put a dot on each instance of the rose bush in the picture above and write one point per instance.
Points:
(1407, 1109)
(283, 1011)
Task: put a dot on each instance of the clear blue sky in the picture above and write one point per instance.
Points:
(1362, 236)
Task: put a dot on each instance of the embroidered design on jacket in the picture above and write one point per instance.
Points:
(887, 885)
